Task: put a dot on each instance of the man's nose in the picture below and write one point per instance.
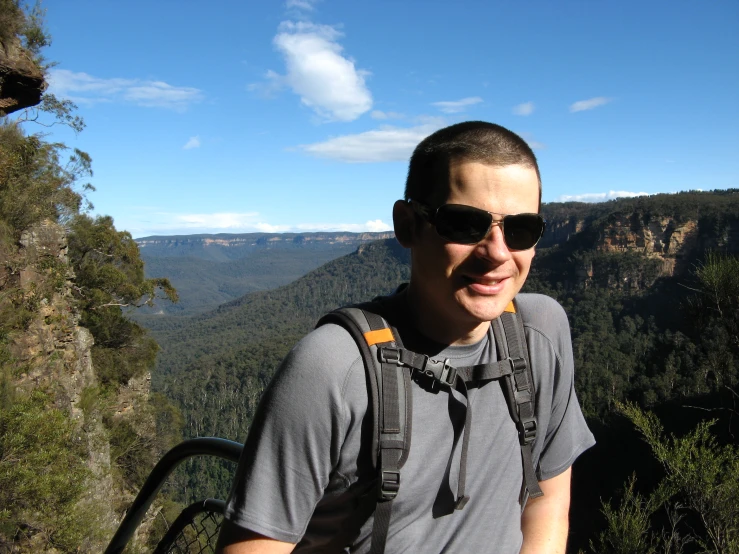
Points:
(493, 246)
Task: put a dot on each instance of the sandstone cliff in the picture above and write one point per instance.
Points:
(667, 244)
(53, 353)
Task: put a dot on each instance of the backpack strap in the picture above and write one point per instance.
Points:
(390, 391)
(388, 367)
(518, 389)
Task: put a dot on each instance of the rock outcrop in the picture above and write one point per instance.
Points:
(55, 353)
(21, 80)
(671, 245)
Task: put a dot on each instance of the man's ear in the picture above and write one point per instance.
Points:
(404, 222)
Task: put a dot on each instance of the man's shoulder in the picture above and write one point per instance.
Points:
(326, 354)
(542, 313)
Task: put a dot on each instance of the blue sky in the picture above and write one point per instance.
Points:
(274, 116)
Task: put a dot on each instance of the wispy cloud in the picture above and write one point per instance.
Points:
(527, 108)
(160, 223)
(373, 226)
(386, 144)
(457, 106)
(194, 142)
(87, 89)
(377, 114)
(599, 196)
(326, 81)
(591, 103)
(532, 142)
(307, 5)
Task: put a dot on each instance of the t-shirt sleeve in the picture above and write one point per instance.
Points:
(563, 433)
(295, 439)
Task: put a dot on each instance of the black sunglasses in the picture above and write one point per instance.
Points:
(467, 225)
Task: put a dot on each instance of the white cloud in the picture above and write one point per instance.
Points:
(194, 142)
(457, 106)
(591, 103)
(598, 196)
(326, 81)
(386, 144)
(377, 114)
(527, 108)
(161, 223)
(307, 5)
(532, 142)
(219, 220)
(374, 226)
(87, 89)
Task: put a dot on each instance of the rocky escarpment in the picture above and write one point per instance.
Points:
(54, 350)
(661, 238)
(21, 80)
(236, 245)
(54, 353)
(630, 247)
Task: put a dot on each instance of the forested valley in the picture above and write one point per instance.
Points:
(209, 270)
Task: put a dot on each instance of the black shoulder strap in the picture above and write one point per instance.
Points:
(519, 392)
(391, 403)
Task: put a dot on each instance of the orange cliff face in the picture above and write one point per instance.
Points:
(660, 237)
(669, 246)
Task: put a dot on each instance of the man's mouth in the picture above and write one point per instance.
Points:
(483, 285)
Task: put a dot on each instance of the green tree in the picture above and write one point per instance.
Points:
(109, 276)
(701, 480)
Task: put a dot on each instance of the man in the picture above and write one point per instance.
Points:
(307, 463)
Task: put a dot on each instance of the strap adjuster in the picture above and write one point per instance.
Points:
(518, 365)
(389, 355)
(389, 485)
(528, 431)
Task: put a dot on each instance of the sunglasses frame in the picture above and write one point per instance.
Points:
(429, 214)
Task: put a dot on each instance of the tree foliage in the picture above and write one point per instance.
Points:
(42, 475)
(36, 181)
(110, 276)
(697, 495)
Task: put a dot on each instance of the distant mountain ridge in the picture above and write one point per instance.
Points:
(222, 246)
(209, 270)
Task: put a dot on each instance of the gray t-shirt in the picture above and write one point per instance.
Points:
(306, 461)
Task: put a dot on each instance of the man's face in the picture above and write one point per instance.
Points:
(465, 286)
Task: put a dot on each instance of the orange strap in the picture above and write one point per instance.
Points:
(380, 335)
(510, 307)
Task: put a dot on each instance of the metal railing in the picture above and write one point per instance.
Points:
(204, 446)
(195, 530)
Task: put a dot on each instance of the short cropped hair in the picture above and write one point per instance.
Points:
(471, 141)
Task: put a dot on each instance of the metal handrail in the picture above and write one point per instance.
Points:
(186, 518)
(203, 446)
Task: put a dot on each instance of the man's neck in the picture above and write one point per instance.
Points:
(437, 326)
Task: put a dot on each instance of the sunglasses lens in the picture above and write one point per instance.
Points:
(462, 224)
(467, 225)
(522, 231)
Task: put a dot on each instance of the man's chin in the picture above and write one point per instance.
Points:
(482, 309)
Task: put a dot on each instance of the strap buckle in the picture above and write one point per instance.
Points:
(389, 485)
(517, 365)
(441, 371)
(389, 355)
(529, 430)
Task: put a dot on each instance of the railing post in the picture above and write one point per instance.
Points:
(203, 446)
